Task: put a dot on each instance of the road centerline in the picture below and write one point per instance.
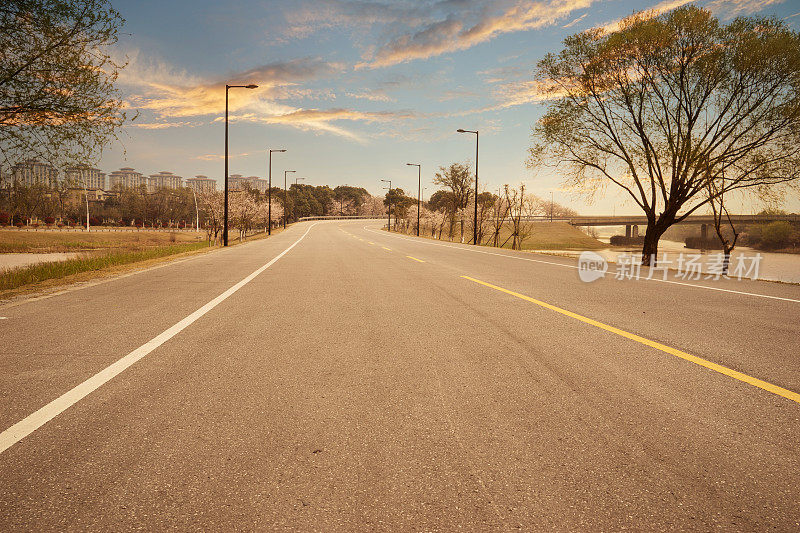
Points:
(42, 416)
(574, 267)
(735, 374)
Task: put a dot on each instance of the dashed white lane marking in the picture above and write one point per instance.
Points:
(696, 286)
(34, 421)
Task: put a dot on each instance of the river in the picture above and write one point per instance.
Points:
(772, 266)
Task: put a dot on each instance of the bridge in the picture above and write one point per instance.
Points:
(632, 222)
(641, 220)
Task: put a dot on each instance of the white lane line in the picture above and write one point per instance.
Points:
(34, 421)
(744, 293)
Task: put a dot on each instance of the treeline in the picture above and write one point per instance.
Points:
(503, 219)
(176, 208)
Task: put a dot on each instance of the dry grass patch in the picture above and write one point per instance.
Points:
(48, 241)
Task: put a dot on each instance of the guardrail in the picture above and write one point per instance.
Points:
(97, 229)
(342, 217)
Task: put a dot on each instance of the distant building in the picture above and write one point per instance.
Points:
(31, 172)
(85, 177)
(164, 180)
(126, 178)
(237, 182)
(201, 184)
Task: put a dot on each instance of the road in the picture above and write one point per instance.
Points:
(337, 377)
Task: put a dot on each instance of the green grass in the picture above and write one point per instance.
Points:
(17, 277)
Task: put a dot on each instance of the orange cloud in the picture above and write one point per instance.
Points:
(451, 35)
(656, 10)
(173, 94)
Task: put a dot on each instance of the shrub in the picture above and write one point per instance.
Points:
(622, 240)
(777, 234)
(5, 219)
(49, 220)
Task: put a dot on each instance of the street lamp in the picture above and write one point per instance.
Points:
(475, 225)
(419, 191)
(389, 211)
(269, 192)
(285, 197)
(225, 223)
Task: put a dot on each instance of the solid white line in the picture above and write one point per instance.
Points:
(575, 267)
(34, 421)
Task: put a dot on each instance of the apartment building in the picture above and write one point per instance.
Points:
(85, 177)
(201, 184)
(31, 172)
(237, 182)
(126, 178)
(164, 180)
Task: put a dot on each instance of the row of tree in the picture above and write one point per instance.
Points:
(503, 219)
(24, 205)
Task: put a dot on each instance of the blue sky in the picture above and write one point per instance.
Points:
(356, 89)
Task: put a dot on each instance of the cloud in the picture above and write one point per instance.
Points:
(168, 92)
(575, 21)
(376, 95)
(724, 8)
(321, 120)
(454, 33)
(361, 15)
(163, 125)
(734, 8)
(171, 95)
(220, 157)
(652, 12)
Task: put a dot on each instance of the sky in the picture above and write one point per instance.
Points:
(355, 89)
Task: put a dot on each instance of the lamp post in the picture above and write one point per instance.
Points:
(419, 191)
(225, 223)
(196, 211)
(285, 197)
(269, 193)
(475, 224)
(389, 211)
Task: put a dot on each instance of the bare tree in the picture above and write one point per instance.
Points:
(667, 105)
(211, 207)
(500, 211)
(520, 207)
(457, 180)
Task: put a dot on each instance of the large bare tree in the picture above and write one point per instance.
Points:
(58, 102)
(667, 105)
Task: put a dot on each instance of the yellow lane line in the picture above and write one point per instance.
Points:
(372, 243)
(387, 249)
(415, 259)
(780, 391)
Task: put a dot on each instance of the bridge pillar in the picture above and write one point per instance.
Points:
(628, 231)
(704, 231)
(634, 231)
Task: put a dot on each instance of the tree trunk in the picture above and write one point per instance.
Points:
(726, 260)
(650, 247)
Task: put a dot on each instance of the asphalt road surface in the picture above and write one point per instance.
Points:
(337, 377)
